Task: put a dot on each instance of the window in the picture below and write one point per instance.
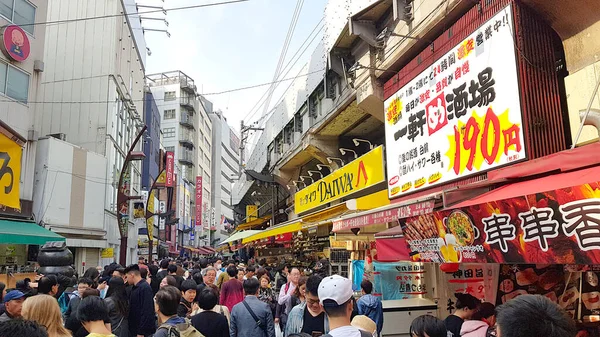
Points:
(200, 170)
(170, 114)
(13, 82)
(169, 132)
(169, 148)
(170, 95)
(20, 12)
(206, 159)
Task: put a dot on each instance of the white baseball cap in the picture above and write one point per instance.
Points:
(335, 288)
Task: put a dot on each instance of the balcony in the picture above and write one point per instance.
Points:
(187, 119)
(187, 84)
(186, 137)
(187, 102)
(187, 157)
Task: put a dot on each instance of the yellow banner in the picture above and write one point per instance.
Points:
(357, 175)
(10, 172)
(333, 243)
(251, 213)
(107, 253)
(150, 220)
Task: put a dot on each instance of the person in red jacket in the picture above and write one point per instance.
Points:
(232, 291)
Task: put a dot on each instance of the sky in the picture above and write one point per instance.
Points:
(230, 46)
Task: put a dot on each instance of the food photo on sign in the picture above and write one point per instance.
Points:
(460, 117)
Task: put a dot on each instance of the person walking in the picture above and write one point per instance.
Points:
(44, 310)
(93, 313)
(118, 307)
(285, 302)
(208, 322)
(142, 320)
(266, 293)
(224, 276)
(309, 316)
(221, 309)
(188, 294)
(165, 305)
(13, 304)
(251, 317)
(48, 285)
(335, 295)
(232, 291)
(370, 305)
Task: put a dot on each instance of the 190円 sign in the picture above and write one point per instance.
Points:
(459, 117)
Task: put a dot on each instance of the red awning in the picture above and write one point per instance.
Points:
(544, 184)
(391, 245)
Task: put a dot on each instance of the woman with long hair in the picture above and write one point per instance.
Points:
(44, 310)
(93, 274)
(299, 295)
(118, 307)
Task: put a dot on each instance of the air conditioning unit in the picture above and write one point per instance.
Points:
(60, 136)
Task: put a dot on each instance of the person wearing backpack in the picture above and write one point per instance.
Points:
(170, 325)
(252, 317)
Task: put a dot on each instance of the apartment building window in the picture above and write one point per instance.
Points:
(170, 114)
(20, 12)
(169, 132)
(14, 83)
(170, 95)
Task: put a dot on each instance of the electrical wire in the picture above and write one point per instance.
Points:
(131, 14)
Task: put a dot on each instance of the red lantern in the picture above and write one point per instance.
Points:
(449, 267)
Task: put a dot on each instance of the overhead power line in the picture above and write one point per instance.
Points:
(131, 14)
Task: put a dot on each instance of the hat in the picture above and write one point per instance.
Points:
(13, 295)
(335, 288)
(364, 323)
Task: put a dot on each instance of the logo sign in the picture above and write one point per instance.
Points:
(198, 201)
(460, 117)
(15, 43)
(107, 253)
(10, 172)
(251, 213)
(170, 169)
(357, 175)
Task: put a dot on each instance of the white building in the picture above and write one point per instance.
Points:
(187, 132)
(225, 165)
(93, 90)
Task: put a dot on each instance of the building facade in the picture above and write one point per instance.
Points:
(93, 97)
(225, 168)
(187, 132)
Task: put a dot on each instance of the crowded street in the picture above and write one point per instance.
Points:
(299, 168)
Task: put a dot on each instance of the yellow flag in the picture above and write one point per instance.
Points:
(10, 172)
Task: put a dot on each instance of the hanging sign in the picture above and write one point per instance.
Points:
(15, 43)
(365, 171)
(10, 172)
(198, 201)
(170, 169)
(460, 117)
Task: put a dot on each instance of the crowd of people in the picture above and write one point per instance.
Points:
(203, 298)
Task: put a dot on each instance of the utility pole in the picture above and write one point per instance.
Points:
(244, 133)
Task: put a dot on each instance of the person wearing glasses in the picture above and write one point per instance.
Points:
(309, 316)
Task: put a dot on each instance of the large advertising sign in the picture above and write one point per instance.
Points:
(560, 226)
(363, 172)
(170, 169)
(10, 172)
(198, 201)
(460, 117)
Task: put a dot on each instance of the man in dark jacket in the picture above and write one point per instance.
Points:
(142, 321)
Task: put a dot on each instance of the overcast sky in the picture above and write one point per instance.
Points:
(230, 46)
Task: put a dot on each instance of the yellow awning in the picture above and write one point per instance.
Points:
(292, 226)
(253, 223)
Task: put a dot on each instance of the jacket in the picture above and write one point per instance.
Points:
(295, 320)
(184, 309)
(474, 328)
(118, 323)
(174, 321)
(142, 319)
(244, 325)
(232, 293)
(371, 307)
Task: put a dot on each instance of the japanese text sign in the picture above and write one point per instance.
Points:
(170, 169)
(251, 213)
(398, 281)
(460, 117)
(384, 216)
(363, 172)
(10, 172)
(198, 201)
(559, 226)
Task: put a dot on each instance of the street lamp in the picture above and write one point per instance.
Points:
(310, 173)
(357, 141)
(343, 152)
(305, 177)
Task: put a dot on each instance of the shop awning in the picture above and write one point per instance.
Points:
(25, 233)
(239, 236)
(386, 213)
(548, 183)
(329, 212)
(289, 227)
(254, 223)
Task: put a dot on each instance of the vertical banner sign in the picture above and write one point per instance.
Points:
(170, 169)
(198, 201)
(251, 213)
(10, 172)
(460, 117)
(162, 208)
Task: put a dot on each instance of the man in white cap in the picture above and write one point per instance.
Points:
(335, 294)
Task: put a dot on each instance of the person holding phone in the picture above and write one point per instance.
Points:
(309, 316)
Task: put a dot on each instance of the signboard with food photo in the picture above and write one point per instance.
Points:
(460, 117)
(560, 226)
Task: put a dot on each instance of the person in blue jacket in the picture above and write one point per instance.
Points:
(370, 305)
